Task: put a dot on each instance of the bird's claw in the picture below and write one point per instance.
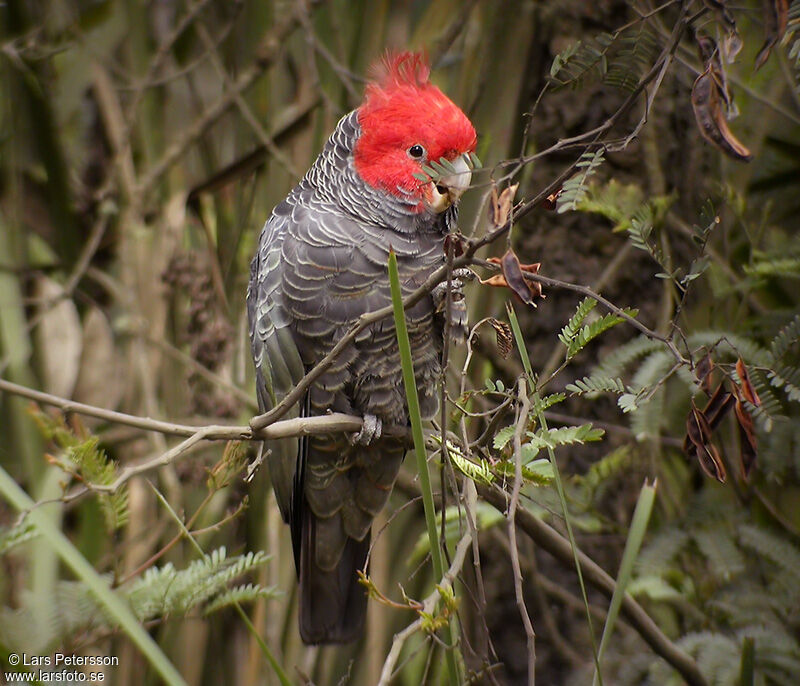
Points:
(458, 277)
(370, 431)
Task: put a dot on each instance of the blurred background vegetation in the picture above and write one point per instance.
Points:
(142, 147)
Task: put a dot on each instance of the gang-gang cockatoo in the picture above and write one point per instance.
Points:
(321, 263)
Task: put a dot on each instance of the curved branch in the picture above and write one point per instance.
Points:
(549, 539)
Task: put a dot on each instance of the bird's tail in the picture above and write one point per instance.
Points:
(333, 604)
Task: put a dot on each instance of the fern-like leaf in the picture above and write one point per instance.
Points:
(779, 551)
(573, 326)
(635, 50)
(575, 189)
(581, 61)
(786, 338)
(12, 536)
(596, 384)
(240, 594)
(588, 332)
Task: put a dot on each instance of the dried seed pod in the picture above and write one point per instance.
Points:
(702, 372)
(747, 439)
(512, 271)
(712, 58)
(776, 18)
(513, 277)
(697, 444)
(707, 99)
(505, 338)
(748, 390)
(501, 204)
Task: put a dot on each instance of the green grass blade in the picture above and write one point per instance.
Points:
(419, 446)
(526, 363)
(641, 516)
(747, 671)
(111, 602)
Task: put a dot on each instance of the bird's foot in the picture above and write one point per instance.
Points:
(459, 276)
(370, 431)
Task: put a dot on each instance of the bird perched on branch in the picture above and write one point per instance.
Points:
(322, 263)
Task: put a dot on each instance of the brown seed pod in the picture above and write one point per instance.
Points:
(776, 18)
(707, 99)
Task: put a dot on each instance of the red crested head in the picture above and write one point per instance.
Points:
(407, 122)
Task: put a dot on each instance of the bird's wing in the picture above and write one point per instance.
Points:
(278, 364)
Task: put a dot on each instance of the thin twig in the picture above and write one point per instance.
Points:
(519, 430)
(557, 545)
(428, 606)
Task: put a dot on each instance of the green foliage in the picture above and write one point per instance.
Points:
(45, 621)
(163, 591)
(596, 384)
(582, 60)
(635, 52)
(575, 189)
(12, 536)
(785, 338)
(479, 470)
(455, 526)
(83, 458)
(576, 335)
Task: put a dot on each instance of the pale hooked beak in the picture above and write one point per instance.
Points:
(448, 189)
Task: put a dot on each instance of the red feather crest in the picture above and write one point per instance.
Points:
(402, 69)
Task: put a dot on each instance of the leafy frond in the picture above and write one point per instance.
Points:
(785, 338)
(660, 552)
(581, 60)
(615, 201)
(12, 536)
(477, 471)
(564, 435)
(724, 557)
(774, 266)
(606, 469)
(83, 458)
(596, 384)
(166, 590)
(615, 364)
(546, 402)
(786, 378)
(92, 464)
(640, 228)
(591, 331)
(535, 472)
(575, 189)
(635, 50)
(240, 594)
(572, 327)
(455, 524)
(779, 551)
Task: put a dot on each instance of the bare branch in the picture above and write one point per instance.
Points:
(549, 539)
(428, 606)
(522, 424)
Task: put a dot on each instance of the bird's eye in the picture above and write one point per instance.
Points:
(416, 151)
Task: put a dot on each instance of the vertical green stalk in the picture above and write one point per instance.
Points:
(562, 496)
(412, 399)
(116, 608)
(641, 516)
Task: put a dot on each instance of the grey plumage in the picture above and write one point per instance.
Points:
(321, 263)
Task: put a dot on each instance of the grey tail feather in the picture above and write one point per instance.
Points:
(333, 604)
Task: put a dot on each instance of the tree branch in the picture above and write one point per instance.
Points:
(559, 547)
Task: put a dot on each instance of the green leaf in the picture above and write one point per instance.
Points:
(575, 189)
(641, 517)
(412, 401)
(110, 601)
